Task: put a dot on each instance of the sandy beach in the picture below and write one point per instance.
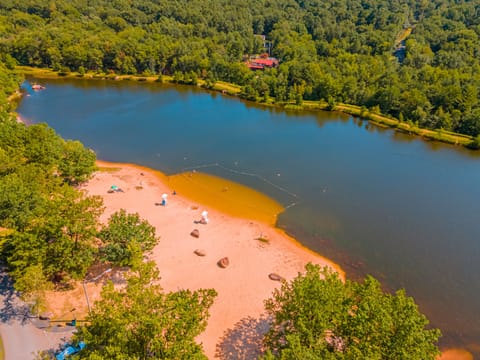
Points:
(236, 322)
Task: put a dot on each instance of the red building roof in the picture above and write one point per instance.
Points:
(262, 63)
(266, 62)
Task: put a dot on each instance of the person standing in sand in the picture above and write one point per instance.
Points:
(204, 219)
(164, 199)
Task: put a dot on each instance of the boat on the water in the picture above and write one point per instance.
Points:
(38, 87)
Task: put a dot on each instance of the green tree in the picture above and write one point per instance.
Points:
(140, 321)
(317, 316)
(59, 235)
(68, 227)
(77, 162)
(32, 286)
(21, 196)
(126, 237)
(21, 251)
(470, 124)
(42, 145)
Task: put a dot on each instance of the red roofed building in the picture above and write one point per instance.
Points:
(262, 63)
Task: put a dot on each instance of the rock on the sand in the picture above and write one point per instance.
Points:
(195, 233)
(223, 262)
(200, 252)
(275, 277)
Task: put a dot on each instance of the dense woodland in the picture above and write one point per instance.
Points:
(347, 51)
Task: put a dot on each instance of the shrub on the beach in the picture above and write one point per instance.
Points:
(140, 321)
(126, 238)
(317, 316)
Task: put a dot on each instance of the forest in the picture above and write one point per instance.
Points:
(414, 60)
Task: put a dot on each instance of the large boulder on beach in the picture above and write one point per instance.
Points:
(195, 233)
(275, 277)
(200, 252)
(223, 262)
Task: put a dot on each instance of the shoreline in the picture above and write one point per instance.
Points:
(215, 206)
(242, 287)
(376, 119)
(237, 323)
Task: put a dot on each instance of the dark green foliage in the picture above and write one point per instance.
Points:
(126, 238)
(21, 196)
(32, 286)
(39, 146)
(317, 316)
(475, 144)
(42, 145)
(142, 322)
(77, 163)
(60, 237)
(52, 225)
(9, 80)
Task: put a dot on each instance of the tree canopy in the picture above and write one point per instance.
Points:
(126, 238)
(317, 316)
(140, 321)
(53, 226)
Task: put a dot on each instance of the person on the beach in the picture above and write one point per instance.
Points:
(164, 199)
(204, 219)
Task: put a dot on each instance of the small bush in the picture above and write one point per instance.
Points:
(475, 143)
(64, 71)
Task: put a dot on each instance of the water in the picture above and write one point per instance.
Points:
(375, 201)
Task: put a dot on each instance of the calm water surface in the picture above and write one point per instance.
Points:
(374, 201)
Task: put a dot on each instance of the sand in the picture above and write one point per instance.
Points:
(456, 354)
(237, 320)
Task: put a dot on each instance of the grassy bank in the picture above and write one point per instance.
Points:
(234, 90)
(406, 127)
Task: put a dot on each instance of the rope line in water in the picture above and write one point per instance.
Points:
(244, 173)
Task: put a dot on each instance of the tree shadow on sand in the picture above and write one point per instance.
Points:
(244, 341)
(11, 306)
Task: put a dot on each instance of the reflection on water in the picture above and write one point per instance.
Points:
(373, 200)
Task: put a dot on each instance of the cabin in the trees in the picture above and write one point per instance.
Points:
(262, 62)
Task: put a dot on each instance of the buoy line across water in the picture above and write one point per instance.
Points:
(244, 173)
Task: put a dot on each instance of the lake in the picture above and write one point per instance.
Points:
(373, 200)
